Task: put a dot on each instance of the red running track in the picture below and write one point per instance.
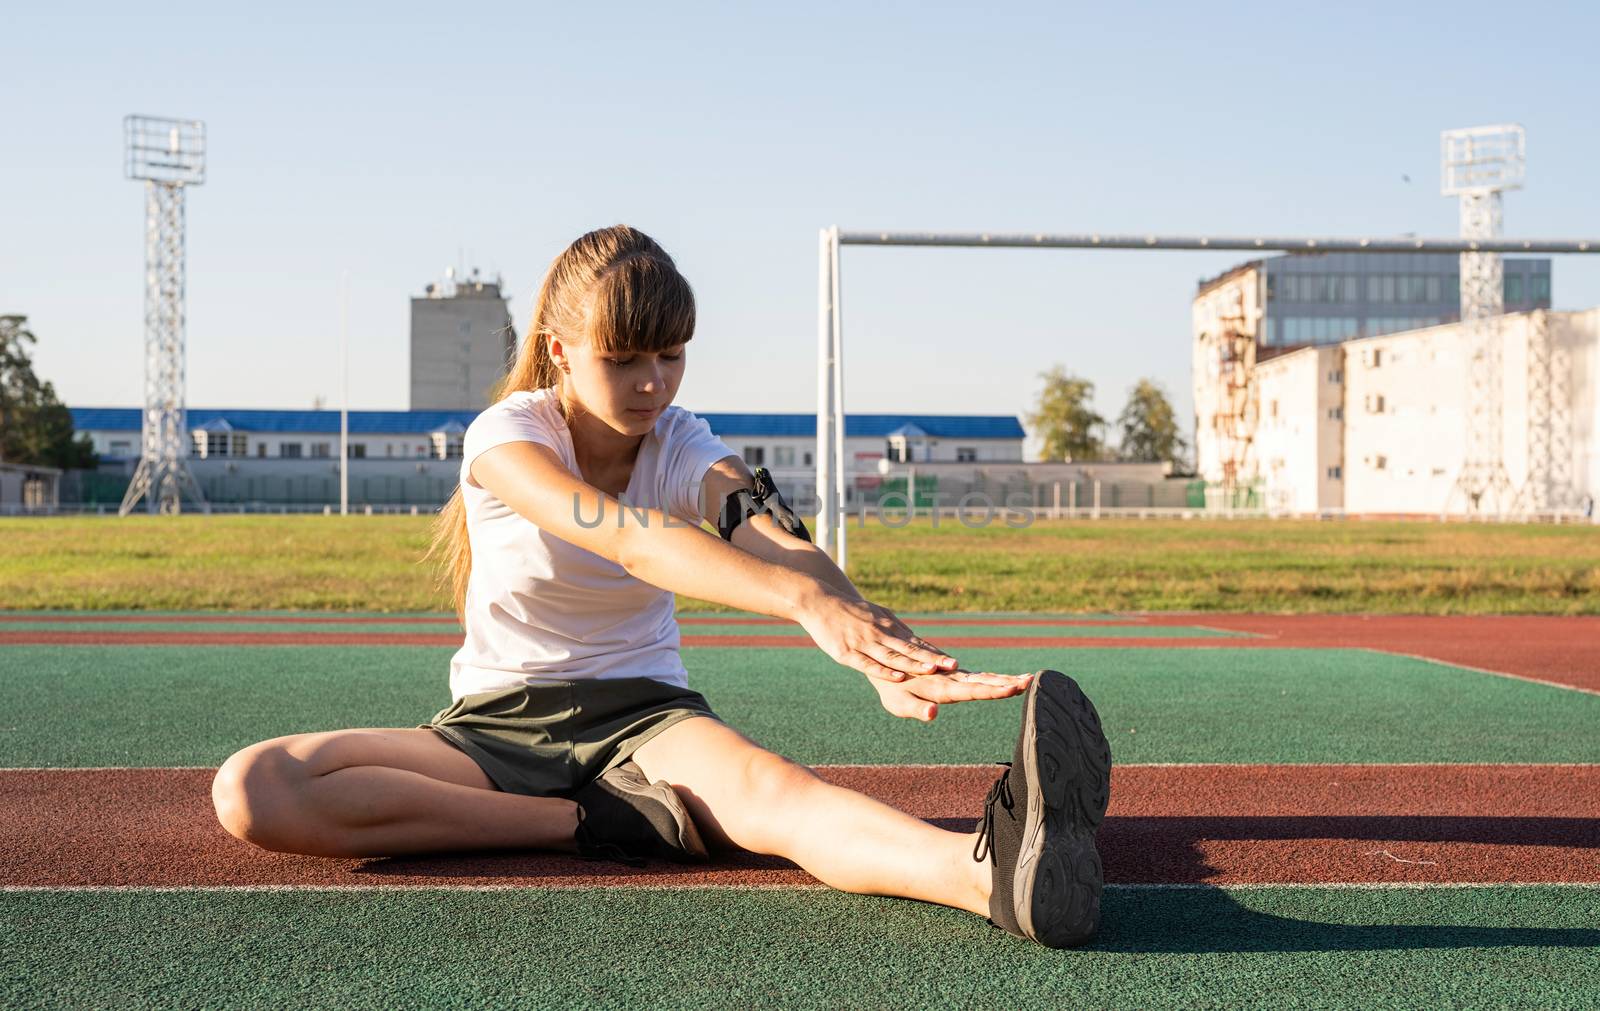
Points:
(1218, 825)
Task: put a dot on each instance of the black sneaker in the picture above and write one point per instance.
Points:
(624, 817)
(1041, 815)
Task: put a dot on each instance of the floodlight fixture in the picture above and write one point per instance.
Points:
(1482, 159)
(163, 150)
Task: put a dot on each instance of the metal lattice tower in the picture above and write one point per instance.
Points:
(1549, 485)
(1478, 164)
(168, 155)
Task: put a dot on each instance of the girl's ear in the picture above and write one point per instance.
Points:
(558, 353)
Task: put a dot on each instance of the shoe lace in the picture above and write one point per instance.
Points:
(999, 793)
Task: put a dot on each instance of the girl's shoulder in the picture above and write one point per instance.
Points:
(522, 416)
(525, 406)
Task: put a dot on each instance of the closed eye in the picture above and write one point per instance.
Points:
(623, 364)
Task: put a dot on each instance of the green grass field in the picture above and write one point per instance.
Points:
(242, 563)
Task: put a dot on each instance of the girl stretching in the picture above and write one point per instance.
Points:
(572, 726)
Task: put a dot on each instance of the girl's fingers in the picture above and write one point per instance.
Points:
(898, 655)
(873, 669)
(941, 659)
(999, 680)
(897, 702)
(944, 689)
(921, 652)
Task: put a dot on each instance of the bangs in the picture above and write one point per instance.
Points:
(641, 303)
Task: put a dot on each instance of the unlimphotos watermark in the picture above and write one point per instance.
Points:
(893, 509)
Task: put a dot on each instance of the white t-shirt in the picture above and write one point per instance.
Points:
(539, 606)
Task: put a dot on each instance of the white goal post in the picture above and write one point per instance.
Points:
(831, 472)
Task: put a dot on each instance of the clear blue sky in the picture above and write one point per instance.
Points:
(393, 140)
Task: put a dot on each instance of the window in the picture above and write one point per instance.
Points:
(1541, 289)
(120, 447)
(807, 461)
(321, 450)
(261, 449)
(1372, 357)
(755, 456)
(289, 449)
(241, 444)
(447, 446)
(1452, 288)
(422, 450)
(1388, 288)
(388, 449)
(1272, 409)
(1287, 289)
(210, 444)
(358, 451)
(1380, 462)
(1335, 473)
(783, 456)
(1336, 376)
(966, 454)
(1435, 287)
(1374, 403)
(1513, 288)
(1336, 413)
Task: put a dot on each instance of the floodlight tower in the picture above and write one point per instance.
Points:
(168, 155)
(1478, 164)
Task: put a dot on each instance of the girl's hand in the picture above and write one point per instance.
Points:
(919, 698)
(867, 637)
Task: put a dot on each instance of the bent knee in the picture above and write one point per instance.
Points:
(770, 784)
(254, 795)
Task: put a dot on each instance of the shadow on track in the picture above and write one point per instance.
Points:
(1196, 917)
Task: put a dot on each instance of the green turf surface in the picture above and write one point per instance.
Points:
(1281, 947)
(194, 705)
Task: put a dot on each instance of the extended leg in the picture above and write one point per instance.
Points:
(378, 792)
(745, 796)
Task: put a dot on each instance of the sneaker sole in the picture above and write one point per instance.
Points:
(691, 848)
(1059, 879)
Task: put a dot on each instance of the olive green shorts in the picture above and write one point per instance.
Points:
(551, 737)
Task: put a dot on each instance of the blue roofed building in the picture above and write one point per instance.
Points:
(407, 457)
(774, 440)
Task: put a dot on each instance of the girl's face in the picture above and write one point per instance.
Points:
(627, 390)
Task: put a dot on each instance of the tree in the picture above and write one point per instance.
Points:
(1070, 428)
(35, 427)
(1149, 426)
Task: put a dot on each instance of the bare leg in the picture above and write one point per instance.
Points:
(378, 792)
(743, 795)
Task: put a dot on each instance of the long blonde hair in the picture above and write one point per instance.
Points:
(615, 287)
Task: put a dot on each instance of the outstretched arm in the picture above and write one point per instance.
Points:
(758, 572)
(915, 698)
